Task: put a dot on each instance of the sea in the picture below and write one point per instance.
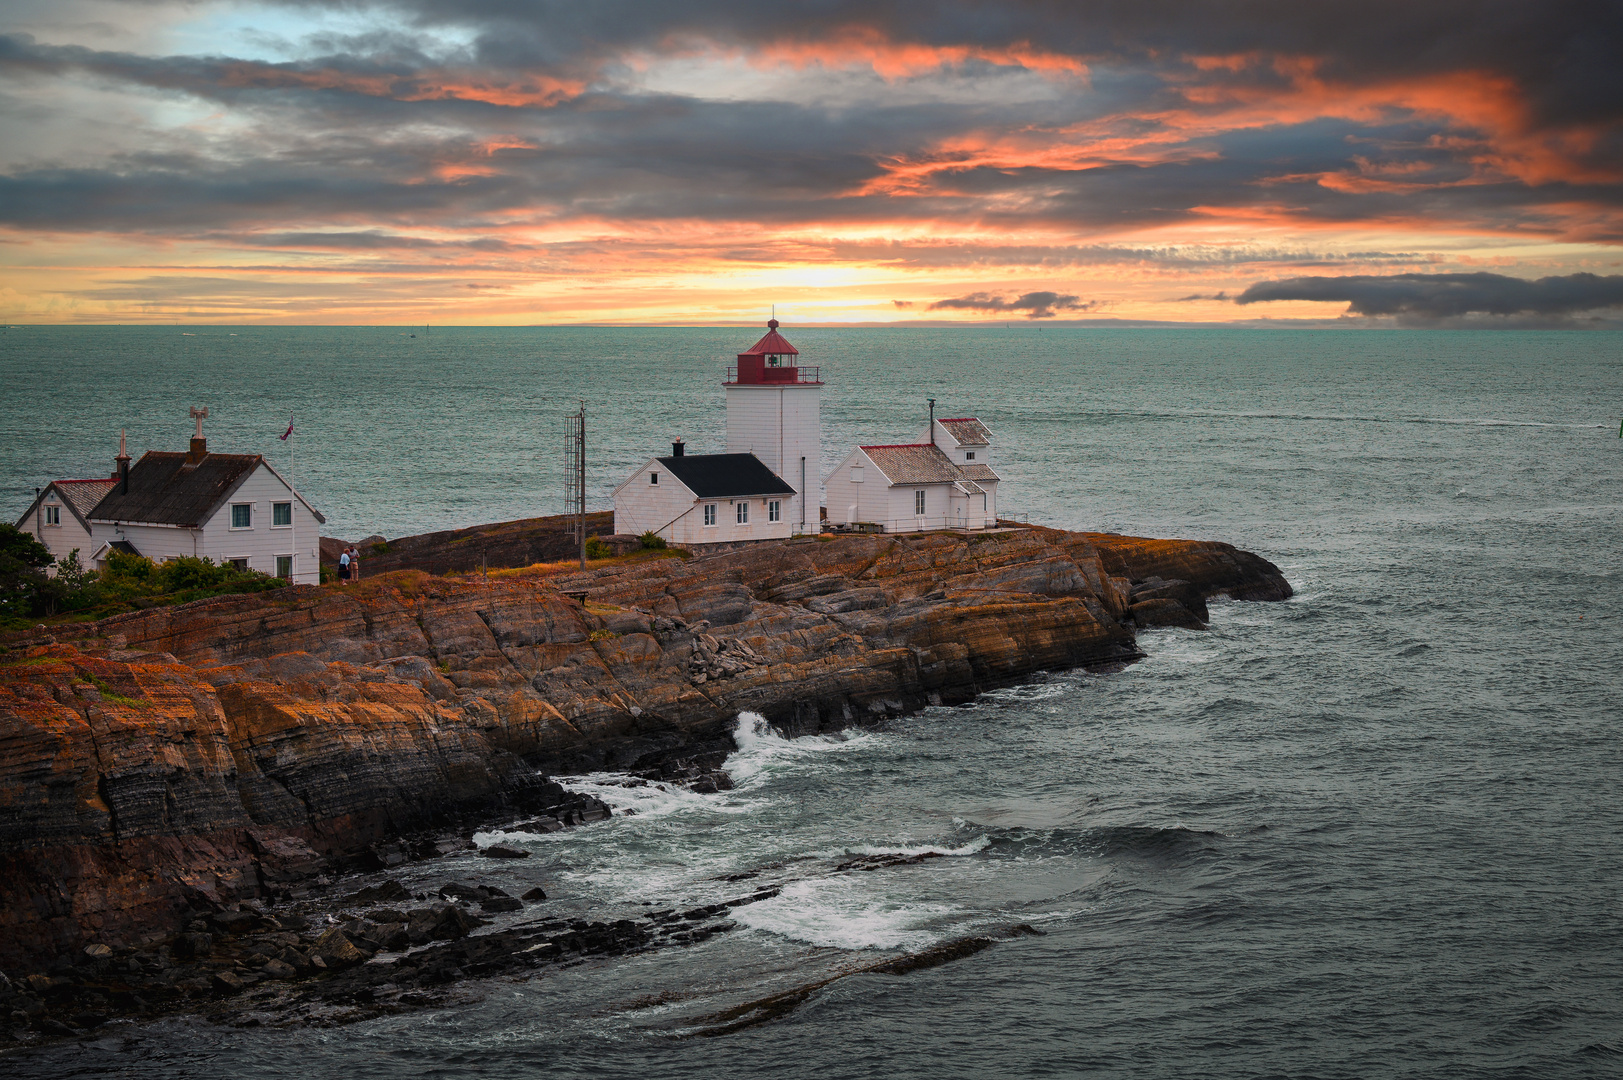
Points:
(1373, 831)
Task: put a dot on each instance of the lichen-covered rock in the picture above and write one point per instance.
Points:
(174, 761)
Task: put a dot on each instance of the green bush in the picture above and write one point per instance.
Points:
(653, 541)
(597, 549)
(23, 560)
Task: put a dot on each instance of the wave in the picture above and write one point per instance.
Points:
(764, 751)
(846, 913)
(1109, 842)
(651, 798)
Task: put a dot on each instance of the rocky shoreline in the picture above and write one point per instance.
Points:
(186, 788)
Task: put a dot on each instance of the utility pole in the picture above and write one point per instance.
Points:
(576, 489)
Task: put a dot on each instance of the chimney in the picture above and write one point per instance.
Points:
(932, 421)
(677, 448)
(123, 473)
(200, 446)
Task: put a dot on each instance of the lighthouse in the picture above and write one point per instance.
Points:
(774, 411)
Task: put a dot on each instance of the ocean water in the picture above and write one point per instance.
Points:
(1373, 831)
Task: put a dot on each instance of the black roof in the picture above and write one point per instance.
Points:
(725, 476)
(165, 490)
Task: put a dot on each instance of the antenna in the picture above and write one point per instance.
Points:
(575, 482)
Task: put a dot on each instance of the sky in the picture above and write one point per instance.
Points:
(499, 162)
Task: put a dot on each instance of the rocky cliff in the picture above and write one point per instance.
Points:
(161, 764)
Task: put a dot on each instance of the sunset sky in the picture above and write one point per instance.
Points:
(512, 162)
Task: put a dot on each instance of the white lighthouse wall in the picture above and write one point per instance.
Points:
(783, 426)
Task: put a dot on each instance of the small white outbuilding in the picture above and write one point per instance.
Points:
(947, 483)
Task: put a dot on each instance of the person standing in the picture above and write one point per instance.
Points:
(343, 566)
(354, 564)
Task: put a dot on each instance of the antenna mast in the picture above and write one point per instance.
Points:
(575, 482)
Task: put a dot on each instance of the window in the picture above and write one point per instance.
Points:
(242, 515)
(969, 455)
(709, 513)
(282, 514)
(856, 474)
(741, 511)
(772, 510)
(653, 478)
(53, 515)
(918, 502)
(284, 567)
(238, 564)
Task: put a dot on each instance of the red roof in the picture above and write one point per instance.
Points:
(774, 344)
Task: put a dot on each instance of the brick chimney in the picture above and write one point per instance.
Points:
(200, 446)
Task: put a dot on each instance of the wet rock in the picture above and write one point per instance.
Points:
(277, 969)
(1162, 612)
(502, 851)
(501, 903)
(535, 894)
(99, 952)
(381, 893)
(337, 949)
(226, 982)
(56, 1029)
(192, 946)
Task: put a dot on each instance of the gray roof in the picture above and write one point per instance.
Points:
(79, 495)
(968, 431)
(725, 476)
(167, 490)
(914, 463)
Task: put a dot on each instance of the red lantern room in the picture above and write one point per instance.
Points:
(771, 361)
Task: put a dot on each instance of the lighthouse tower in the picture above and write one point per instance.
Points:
(774, 411)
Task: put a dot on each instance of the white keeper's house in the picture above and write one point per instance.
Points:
(229, 508)
(697, 499)
(946, 483)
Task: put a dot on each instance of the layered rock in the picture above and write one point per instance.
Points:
(165, 762)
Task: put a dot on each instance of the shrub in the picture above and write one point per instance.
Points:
(597, 549)
(380, 549)
(23, 560)
(653, 541)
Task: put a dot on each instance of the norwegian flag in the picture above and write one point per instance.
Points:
(289, 430)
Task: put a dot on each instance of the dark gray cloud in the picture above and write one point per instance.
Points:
(1435, 297)
(1035, 305)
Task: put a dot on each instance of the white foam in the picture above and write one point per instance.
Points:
(844, 913)
(980, 843)
(763, 751)
(653, 798)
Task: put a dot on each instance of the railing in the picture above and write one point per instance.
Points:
(914, 524)
(777, 376)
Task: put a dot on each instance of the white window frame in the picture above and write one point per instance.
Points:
(969, 455)
(53, 515)
(247, 563)
(918, 502)
(741, 512)
(248, 506)
(653, 478)
(774, 510)
(278, 564)
(710, 515)
(289, 506)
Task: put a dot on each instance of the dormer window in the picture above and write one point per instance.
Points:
(969, 455)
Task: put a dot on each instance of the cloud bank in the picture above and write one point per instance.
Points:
(968, 149)
(1434, 297)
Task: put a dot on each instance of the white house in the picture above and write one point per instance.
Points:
(59, 517)
(230, 508)
(947, 483)
(774, 411)
(698, 499)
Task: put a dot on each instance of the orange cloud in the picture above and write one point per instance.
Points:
(528, 91)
